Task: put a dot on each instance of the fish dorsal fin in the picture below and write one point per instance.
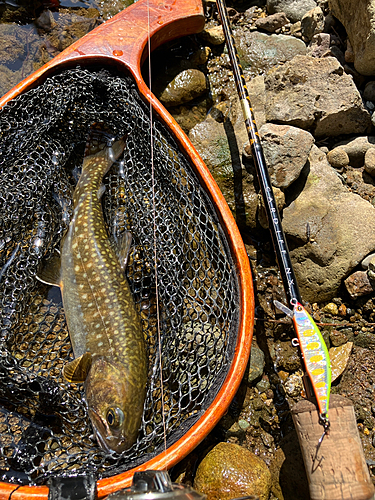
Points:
(77, 370)
(122, 248)
(50, 273)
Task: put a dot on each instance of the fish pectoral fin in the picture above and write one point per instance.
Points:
(50, 273)
(122, 248)
(77, 370)
(101, 191)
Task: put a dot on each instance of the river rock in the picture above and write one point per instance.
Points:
(370, 161)
(257, 363)
(331, 106)
(326, 45)
(213, 35)
(286, 150)
(356, 149)
(312, 23)
(369, 91)
(358, 284)
(186, 86)
(338, 158)
(220, 144)
(359, 22)
(259, 52)
(231, 471)
(272, 23)
(339, 357)
(294, 9)
(341, 227)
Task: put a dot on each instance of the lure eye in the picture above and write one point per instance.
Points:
(299, 308)
(115, 417)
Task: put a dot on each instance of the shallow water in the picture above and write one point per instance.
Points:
(32, 33)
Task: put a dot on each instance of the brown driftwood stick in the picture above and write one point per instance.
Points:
(336, 469)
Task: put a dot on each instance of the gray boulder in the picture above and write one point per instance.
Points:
(259, 52)
(342, 231)
(293, 9)
(315, 94)
(358, 19)
(286, 150)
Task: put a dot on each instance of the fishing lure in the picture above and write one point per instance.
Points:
(314, 353)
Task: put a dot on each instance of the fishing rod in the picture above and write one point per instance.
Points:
(312, 347)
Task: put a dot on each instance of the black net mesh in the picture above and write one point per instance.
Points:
(44, 426)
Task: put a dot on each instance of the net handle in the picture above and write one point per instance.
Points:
(123, 39)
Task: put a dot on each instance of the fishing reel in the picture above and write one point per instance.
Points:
(157, 485)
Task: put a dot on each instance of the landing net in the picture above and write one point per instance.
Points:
(44, 425)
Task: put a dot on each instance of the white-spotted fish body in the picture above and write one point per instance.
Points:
(103, 323)
(315, 355)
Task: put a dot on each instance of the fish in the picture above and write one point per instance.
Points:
(314, 353)
(103, 322)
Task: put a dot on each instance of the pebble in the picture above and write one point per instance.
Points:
(230, 471)
(293, 385)
(273, 22)
(339, 357)
(370, 161)
(358, 284)
(338, 158)
(214, 35)
(256, 364)
(331, 308)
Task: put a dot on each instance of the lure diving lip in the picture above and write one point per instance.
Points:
(314, 352)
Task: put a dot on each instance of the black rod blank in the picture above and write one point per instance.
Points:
(273, 216)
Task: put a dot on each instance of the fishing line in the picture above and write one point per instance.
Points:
(154, 231)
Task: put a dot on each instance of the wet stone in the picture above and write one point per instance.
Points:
(186, 86)
(230, 471)
(256, 364)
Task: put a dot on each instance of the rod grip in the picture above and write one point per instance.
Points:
(337, 470)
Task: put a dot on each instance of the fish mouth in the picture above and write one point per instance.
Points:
(110, 444)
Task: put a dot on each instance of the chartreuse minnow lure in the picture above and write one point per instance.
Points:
(314, 353)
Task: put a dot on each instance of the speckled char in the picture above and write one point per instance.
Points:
(100, 312)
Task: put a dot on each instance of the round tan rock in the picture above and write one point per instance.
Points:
(370, 161)
(338, 157)
(231, 471)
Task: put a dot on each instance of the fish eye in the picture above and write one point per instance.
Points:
(114, 417)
